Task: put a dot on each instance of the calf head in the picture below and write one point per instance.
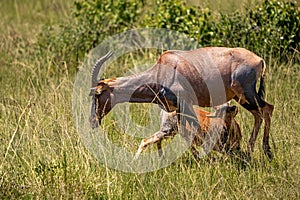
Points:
(225, 112)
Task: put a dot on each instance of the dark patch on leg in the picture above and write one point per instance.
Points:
(254, 100)
(253, 108)
(267, 114)
(267, 148)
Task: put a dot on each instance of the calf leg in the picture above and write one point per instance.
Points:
(156, 138)
(196, 142)
(160, 152)
(195, 152)
(188, 122)
(235, 137)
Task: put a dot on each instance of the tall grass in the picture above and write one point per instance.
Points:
(42, 155)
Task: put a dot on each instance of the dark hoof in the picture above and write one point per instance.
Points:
(267, 151)
(269, 155)
(248, 157)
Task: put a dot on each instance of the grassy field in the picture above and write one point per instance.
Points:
(42, 155)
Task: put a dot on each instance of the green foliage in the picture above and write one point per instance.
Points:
(196, 22)
(270, 29)
(281, 22)
(91, 22)
(98, 19)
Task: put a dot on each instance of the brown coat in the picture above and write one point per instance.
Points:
(218, 131)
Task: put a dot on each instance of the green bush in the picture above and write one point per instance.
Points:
(97, 19)
(196, 22)
(272, 28)
(91, 22)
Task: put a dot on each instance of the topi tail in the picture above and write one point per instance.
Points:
(261, 90)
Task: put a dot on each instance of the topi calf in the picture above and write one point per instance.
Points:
(218, 131)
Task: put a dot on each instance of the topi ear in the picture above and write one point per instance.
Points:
(98, 90)
(101, 88)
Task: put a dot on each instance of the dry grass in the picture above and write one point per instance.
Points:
(43, 156)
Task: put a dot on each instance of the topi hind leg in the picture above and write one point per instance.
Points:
(253, 105)
(267, 111)
(244, 85)
(257, 124)
(261, 111)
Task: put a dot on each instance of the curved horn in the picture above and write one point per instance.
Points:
(97, 67)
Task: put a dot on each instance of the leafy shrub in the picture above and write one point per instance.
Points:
(91, 22)
(101, 18)
(196, 22)
(272, 28)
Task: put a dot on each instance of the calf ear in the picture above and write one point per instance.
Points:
(232, 109)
